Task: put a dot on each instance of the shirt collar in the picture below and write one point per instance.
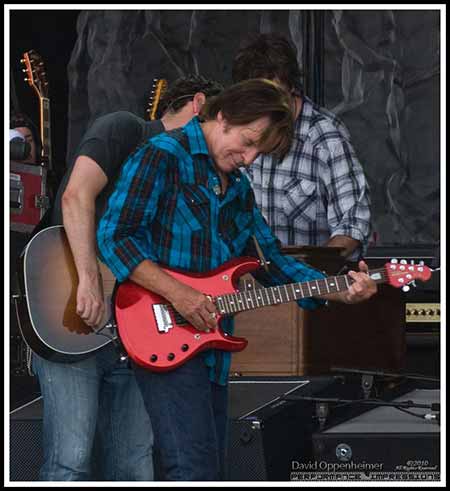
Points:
(194, 132)
(303, 123)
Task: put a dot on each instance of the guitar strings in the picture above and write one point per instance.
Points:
(180, 320)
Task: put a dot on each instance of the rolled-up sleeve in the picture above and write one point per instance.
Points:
(122, 234)
(348, 195)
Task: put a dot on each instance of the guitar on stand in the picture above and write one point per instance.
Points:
(28, 182)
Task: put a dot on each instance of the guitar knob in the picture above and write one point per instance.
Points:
(403, 261)
(153, 358)
(406, 288)
(170, 356)
(394, 261)
(185, 347)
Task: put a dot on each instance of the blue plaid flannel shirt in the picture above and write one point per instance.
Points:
(165, 209)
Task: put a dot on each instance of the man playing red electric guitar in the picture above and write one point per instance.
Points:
(181, 202)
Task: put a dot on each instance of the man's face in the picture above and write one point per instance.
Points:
(236, 145)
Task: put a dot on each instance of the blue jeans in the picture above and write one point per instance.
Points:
(189, 418)
(94, 399)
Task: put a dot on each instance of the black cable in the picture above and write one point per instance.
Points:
(381, 373)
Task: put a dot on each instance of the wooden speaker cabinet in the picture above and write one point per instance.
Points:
(286, 340)
(274, 341)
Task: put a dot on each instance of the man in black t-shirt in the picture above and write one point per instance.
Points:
(99, 395)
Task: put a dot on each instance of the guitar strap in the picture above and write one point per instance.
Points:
(264, 263)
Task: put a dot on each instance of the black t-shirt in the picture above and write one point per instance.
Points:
(109, 141)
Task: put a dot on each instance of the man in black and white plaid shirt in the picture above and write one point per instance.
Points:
(318, 194)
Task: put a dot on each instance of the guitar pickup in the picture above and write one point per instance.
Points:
(163, 319)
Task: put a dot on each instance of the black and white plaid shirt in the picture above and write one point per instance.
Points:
(319, 189)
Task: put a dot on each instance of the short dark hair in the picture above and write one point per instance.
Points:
(184, 89)
(249, 100)
(268, 56)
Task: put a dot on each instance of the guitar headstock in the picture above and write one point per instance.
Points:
(401, 274)
(158, 88)
(35, 70)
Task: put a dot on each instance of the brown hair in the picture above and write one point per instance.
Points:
(247, 101)
(270, 56)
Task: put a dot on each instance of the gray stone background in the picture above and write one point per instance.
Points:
(381, 74)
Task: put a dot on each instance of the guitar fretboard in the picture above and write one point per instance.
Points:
(252, 299)
(45, 131)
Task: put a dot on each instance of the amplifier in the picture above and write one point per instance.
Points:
(381, 444)
(270, 426)
(28, 200)
(423, 312)
(423, 317)
(25, 441)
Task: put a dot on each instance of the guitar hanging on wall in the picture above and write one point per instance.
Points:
(158, 88)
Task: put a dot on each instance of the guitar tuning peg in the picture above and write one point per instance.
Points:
(394, 261)
(406, 288)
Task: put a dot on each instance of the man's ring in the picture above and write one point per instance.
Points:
(213, 315)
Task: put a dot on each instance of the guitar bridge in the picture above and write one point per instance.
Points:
(163, 319)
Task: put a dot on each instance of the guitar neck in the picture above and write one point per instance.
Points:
(276, 295)
(45, 130)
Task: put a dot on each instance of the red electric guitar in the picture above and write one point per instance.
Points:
(154, 335)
